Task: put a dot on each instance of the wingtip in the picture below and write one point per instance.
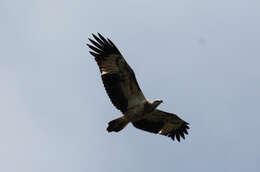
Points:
(99, 34)
(178, 137)
(93, 54)
(182, 135)
(185, 131)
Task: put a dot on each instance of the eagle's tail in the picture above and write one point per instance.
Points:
(117, 124)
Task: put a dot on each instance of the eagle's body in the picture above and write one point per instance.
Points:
(122, 88)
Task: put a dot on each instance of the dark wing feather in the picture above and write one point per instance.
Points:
(163, 123)
(117, 76)
(149, 125)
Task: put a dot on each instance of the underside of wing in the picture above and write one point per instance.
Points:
(118, 78)
(163, 123)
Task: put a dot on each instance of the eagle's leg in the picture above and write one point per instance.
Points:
(117, 124)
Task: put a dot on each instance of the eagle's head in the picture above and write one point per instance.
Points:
(156, 103)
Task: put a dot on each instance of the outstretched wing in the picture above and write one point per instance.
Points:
(117, 76)
(163, 123)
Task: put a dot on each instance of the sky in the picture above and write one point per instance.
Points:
(200, 57)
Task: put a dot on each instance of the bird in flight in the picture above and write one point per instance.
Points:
(125, 94)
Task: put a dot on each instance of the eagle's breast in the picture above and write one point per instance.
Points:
(136, 112)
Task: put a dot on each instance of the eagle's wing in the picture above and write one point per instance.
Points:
(117, 76)
(163, 123)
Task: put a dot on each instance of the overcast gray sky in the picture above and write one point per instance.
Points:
(201, 57)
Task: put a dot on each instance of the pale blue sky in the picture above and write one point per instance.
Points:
(201, 57)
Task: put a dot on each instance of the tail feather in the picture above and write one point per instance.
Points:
(117, 124)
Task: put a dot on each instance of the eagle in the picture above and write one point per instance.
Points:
(125, 94)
